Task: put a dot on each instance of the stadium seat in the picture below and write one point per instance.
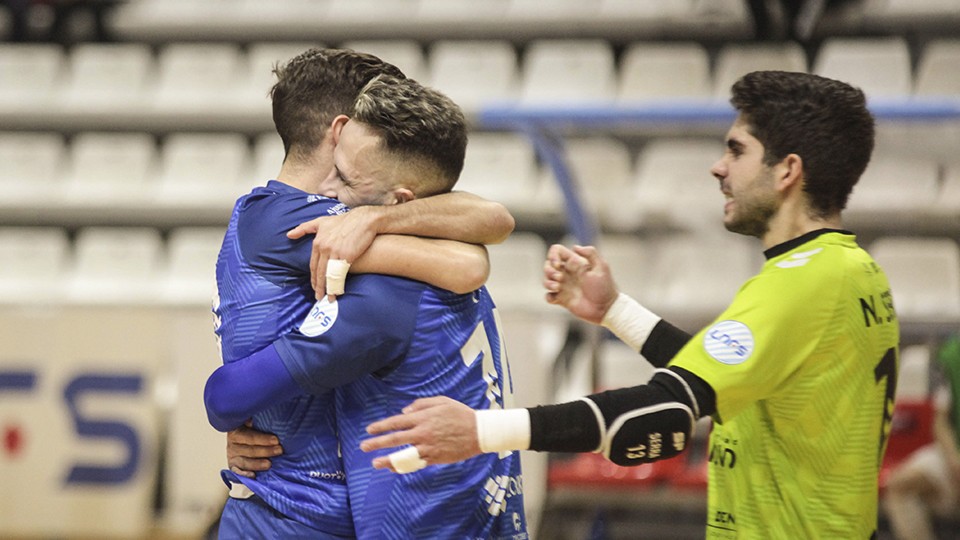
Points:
(736, 60)
(473, 73)
(601, 167)
(667, 272)
(501, 167)
(267, 157)
(406, 54)
(544, 10)
(878, 66)
(190, 277)
(593, 471)
(632, 261)
(29, 74)
(937, 78)
(567, 71)
(655, 12)
(202, 169)
(664, 71)
(933, 140)
(924, 276)
(672, 187)
(115, 265)
(911, 429)
(948, 203)
(912, 12)
(621, 366)
(199, 77)
(110, 168)
(914, 379)
(111, 77)
(480, 14)
(882, 191)
(32, 262)
(31, 165)
(589, 472)
(700, 273)
(938, 69)
(380, 12)
(516, 272)
(262, 58)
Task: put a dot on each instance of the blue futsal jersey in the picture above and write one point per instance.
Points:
(397, 340)
(264, 292)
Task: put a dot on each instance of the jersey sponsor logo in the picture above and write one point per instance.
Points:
(798, 259)
(722, 455)
(729, 342)
(320, 319)
(498, 489)
(339, 476)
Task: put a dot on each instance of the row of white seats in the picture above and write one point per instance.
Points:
(870, 16)
(103, 169)
(666, 183)
(689, 277)
(162, 20)
(108, 265)
(169, 19)
(220, 77)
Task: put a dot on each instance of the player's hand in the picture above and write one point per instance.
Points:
(346, 236)
(579, 280)
(249, 450)
(442, 430)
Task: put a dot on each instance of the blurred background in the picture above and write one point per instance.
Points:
(128, 128)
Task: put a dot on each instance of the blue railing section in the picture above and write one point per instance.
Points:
(544, 125)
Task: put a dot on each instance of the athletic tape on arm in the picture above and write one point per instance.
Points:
(630, 321)
(503, 430)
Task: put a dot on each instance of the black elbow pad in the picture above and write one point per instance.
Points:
(648, 434)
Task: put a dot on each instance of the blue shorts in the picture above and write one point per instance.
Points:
(252, 518)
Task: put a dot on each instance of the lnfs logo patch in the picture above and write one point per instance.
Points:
(729, 342)
(320, 319)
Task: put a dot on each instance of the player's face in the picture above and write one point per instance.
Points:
(361, 174)
(747, 184)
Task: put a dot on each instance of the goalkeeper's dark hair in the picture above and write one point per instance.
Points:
(824, 121)
(315, 87)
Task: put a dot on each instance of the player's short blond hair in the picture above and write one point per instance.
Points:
(419, 125)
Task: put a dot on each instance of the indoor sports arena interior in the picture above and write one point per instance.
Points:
(129, 127)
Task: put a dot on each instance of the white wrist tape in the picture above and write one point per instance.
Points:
(502, 430)
(336, 275)
(407, 460)
(630, 321)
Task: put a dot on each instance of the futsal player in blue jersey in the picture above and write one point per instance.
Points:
(264, 292)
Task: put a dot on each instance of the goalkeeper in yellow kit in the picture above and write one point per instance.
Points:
(799, 371)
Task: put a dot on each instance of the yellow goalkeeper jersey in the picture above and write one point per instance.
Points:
(804, 364)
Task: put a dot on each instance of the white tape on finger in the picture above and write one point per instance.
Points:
(407, 460)
(336, 275)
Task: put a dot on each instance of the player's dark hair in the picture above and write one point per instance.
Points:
(419, 124)
(316, 86)
(825, 122)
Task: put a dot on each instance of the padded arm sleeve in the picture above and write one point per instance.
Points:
(629, 426)
(664, 342)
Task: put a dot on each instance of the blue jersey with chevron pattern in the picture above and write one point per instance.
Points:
(386, 342)
(264, 292)
(456, 350)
